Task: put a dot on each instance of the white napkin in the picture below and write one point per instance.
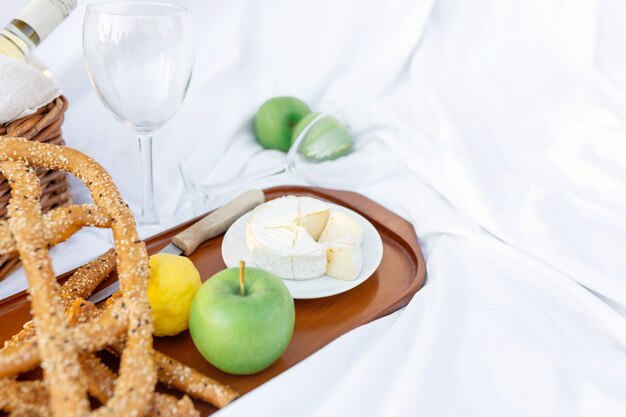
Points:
(23, 89)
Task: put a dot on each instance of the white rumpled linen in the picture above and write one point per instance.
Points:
(23, 89)
(510, 163)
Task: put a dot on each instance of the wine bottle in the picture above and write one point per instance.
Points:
(32, 25)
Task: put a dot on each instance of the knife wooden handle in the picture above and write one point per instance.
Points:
(217, 221)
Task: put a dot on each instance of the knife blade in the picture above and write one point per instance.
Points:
(213, 224)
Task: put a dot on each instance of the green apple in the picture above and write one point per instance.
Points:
(242, 319)
(275, 120)
(326, 140)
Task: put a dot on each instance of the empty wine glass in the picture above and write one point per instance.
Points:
(139, 58)
(347, 146)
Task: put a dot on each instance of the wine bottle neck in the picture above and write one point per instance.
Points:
(40, 17)
(17, 40)
(32, 25)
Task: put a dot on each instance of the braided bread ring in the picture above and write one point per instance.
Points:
(63, 375)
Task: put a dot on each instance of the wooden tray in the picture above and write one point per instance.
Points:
(318, 322)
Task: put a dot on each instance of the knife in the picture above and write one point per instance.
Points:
(213, 224)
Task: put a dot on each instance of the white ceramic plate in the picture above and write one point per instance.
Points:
(235, 249)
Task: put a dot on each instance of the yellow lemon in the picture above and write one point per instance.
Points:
(174, 281)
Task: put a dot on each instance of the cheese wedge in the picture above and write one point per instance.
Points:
(340, 226)
(281, 237)
(343, 259)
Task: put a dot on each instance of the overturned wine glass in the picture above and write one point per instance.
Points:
(345, 146)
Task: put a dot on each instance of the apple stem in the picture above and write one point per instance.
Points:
(242, 287)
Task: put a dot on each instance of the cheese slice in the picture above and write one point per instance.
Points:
(340, 226)
(344, 259)
(281, 237)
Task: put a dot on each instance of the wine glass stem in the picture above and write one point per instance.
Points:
(148, 209)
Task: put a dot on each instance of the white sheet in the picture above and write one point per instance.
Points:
(512, 125)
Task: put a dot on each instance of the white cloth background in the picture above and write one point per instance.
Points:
(512, 124)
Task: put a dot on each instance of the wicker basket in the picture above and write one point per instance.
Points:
(42, 126)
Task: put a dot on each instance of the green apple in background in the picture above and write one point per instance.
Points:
(275, 120)
(326, 140)
(242, 319)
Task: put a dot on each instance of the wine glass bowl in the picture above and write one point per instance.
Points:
(346, 145)
(139, 58)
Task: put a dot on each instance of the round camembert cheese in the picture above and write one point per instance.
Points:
(298, 238)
